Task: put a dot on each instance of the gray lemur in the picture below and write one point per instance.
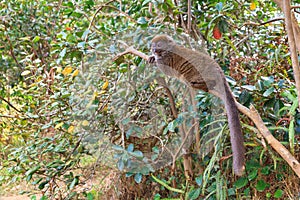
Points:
(198, 70)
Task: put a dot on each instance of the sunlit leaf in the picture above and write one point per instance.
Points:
(252, 5)
(36, 39)
(85, 123)
(71, 129)
(105, 85)
(59, 125)
(26, 72)
(75, 73)
(67, 71)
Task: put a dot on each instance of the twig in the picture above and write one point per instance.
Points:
(264, 23)
(171, 98)
(10, 104)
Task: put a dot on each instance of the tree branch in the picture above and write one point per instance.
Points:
(296, 28)
(292, 45)
(277, 146)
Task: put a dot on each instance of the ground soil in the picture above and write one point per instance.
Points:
(19, 197)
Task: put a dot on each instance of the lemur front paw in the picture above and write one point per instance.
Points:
(151, 59)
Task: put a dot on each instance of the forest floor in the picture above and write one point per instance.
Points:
(18, 197)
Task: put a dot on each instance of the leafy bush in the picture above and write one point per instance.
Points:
(73, 108)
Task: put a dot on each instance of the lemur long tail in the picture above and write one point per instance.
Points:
(236, 135)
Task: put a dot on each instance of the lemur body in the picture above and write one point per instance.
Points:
(200, 71)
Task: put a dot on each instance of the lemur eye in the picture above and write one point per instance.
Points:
(157, 51)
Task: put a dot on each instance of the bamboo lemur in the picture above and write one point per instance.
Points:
(198, 70)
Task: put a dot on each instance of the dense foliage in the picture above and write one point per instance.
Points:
(74, 111)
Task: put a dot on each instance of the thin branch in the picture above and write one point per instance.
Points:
(94, 16)
(189, 15)
(294, 7)
(131, 50)
(162, 82)
(10, 104)
(264, 23)
(7, 116)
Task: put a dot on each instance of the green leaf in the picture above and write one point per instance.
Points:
(130, 148)
(172, 125)
(194, 194)
(74, 182)
(125, 121)
(36, 39)
(268, 92)
(128, 174)
(118, 148)
(157, 197)
(219, 6)
(278, 193)
(90, 196)
(252, 175)
(121, 165)
(63, 52)
(261, 185)
(71, 38)
(244, 97)
(249, 87)
(76, 14)
(260, 85)
(268, 195)
(199, 180)
(146, 2)
(138, 177)
(241, 182)
(137, 154)
(292, 135)
(142, 20)
(265, 170)
(231, 192)
(42, 185)
(31, 171)
(223, 25)
(44, 198)
(33, 197)
(85, 33)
